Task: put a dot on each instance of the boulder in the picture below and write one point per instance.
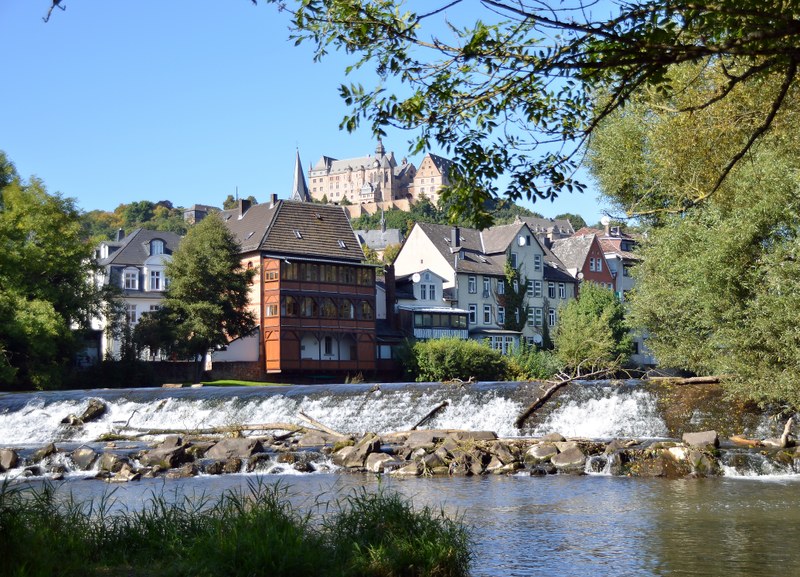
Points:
(166, 458)
(340, 457)
(426, 439)
(463, 436)
(553, 438)
(369, 443)
(239, 447)
(171, 441)
(502, 452)
(112, 462)
(211, 466)
(125, 474)
(375, 462)
(94, 411)
(701, 439)
(83, 457)
(258, 461)
(410, 470)
(43, 453)
(184, 472)
(572, 460)
(540, 452)
(231, 466)
(8, 459)
(703, 464)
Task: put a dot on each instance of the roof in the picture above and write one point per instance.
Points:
(610, 242)
(379, 239)
(572, 251)
(548, 225)
(134, 249)
(295, 228)
(299, 187)
(472, 258)
(441, 163)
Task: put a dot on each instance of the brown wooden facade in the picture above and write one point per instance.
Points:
(317, 316)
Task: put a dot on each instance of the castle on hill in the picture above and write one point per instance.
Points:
(370, 183)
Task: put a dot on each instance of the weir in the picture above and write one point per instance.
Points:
(599, 410)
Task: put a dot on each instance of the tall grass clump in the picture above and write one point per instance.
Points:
(251, 533)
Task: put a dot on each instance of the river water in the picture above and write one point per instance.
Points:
(744, 523)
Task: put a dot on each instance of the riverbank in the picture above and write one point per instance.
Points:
(258, 532)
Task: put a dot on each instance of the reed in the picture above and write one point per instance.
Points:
(248, 533)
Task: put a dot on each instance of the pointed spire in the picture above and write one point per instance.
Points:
(299, 187)
(380, 150)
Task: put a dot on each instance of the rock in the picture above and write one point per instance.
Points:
(540, 452)
(425, 439)
(617, 445)
(340, 457)
(125, 474)
(702, 439)
(314, 439)
(171, 386)
(432, 460)
(166, 458)
(241, 448)
(231, 466)
(112, 462)
(565, 445)
(94, 411)
(375, 462)
(83, 457)
(553, 438)
(184, 472)
(410, 470)
(502, 452)
(8, 459)
(571, 460)
(43, 453)
(211, 466)
(615, 463)
(171, 441)
(369, 443)
(703, 464)
(656, 463)
(463, 436)
(259, 461)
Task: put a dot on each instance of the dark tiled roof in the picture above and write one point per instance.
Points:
(134, 249)
(296, 228)
(471, 255)
(379, 239)
(545, 225)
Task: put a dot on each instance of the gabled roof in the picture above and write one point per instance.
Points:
(610, 242)
(301, 229)
(441, 163)
(572, 251)
(378, 239)
(498, 238)
(134, 249)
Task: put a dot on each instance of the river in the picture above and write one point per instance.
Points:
(741, 524)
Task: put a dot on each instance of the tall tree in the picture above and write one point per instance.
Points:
(591, 331)
(206, 301)
(46, 289)
(512, 87)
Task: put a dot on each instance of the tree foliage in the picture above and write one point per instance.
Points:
(205, 304)
(717, 279)
(514, 298)
(591, 331)
(46, 289)
(101, 225)
(515, 89)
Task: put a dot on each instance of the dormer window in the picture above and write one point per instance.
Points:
(156, 247)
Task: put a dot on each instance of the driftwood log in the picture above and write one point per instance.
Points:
(217, 430)
(432, 413)
(706, 380)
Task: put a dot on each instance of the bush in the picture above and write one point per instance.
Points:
(531, 363)
(452, 358)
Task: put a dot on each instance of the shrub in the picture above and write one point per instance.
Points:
(452, 358)
(531, 363)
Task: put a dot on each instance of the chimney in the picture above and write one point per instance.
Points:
(391, 295)
(273, 200)
(244, 206)
(120, 234)
(455, 237)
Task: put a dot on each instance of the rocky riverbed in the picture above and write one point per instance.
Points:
(412, 453)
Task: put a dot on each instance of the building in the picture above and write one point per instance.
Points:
(433, 174)
(472, 264)
(584, 259)
(136, 264)
(315, 297)
(421, 310)
(366, 179)
(548, 229)
(198, 212)
(618, 248)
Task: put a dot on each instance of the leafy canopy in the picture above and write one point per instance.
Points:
(514, 88)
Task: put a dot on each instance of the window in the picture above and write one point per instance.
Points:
(432, 291)
(329, 310)
(530, 317)
(309, 308)
(329, 273)
(346, 310)
(486, 286)
(423, 292)
(501, 315)
(310, 272)
(328, 346)
(366, 311)
(130, 314)
(472, 284)
(487, 314)
(130, 279)
(365, 277)
(473, 314)
(562, 290)
(513, 260)
(538, 316)
(291, 271)
(599, 264)
(537, 288)
(501, 287)
(155, 280)
(290, 307)
(347, 275)
(154, 308)
(591, 264)
(537, 262)
(156, 247)
(551, 317)
(271, 310)
(551, 290)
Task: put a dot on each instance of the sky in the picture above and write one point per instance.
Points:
(112, 102)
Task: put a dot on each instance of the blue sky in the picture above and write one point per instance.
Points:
(112, 102)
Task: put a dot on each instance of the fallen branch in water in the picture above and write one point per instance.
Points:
(430, 415)
(705, 380)
(320, 426)
(563, 379)
(218, 430)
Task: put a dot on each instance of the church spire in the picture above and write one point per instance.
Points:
(299, 187)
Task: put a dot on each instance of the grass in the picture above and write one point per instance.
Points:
(251, 533)
(234, 383)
